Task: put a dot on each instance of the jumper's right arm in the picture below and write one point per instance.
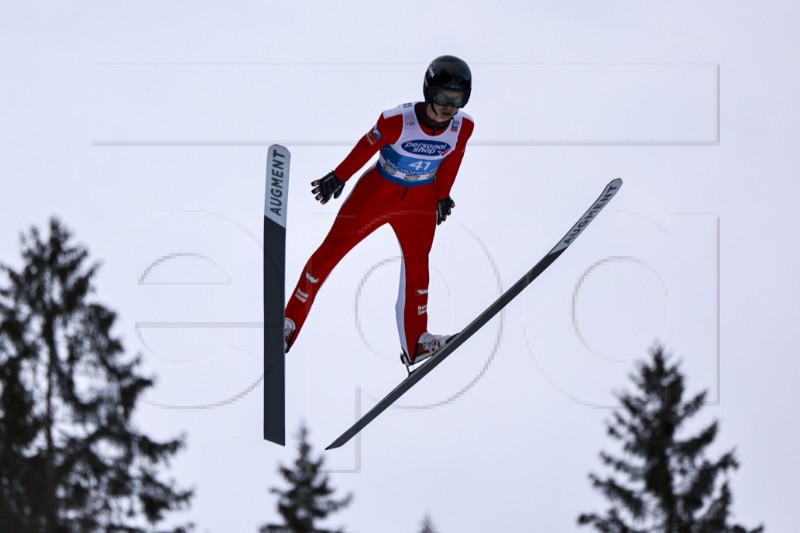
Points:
(386, 131)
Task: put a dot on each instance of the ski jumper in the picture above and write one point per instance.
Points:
(416, 167)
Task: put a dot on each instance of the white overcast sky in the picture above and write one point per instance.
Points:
(144, 126)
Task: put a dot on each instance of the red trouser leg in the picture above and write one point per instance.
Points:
(358, 217)
(373, 202)
(414, 225)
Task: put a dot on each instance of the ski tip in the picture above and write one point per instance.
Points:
(277, 184)
(279, 147)
(332, 446)
(612, 188)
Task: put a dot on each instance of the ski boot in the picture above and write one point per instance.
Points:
(288, 332)
(427, 345)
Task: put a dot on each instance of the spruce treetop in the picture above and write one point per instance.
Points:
(308, 499)
(663, 481)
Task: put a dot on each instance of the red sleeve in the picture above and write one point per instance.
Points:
(446, 173)
(386, 131)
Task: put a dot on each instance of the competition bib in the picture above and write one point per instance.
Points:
(413, 159)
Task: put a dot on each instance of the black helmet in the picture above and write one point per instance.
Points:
(448, 72)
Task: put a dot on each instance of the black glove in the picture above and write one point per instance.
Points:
(443, 209)
(327, 186)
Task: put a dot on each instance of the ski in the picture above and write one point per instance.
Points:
(275, 210)
(459, 338)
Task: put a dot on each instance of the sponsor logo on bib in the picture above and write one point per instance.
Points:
(426, 147)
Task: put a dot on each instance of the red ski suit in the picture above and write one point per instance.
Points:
(387, 194)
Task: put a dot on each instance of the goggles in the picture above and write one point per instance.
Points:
(444, 96)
